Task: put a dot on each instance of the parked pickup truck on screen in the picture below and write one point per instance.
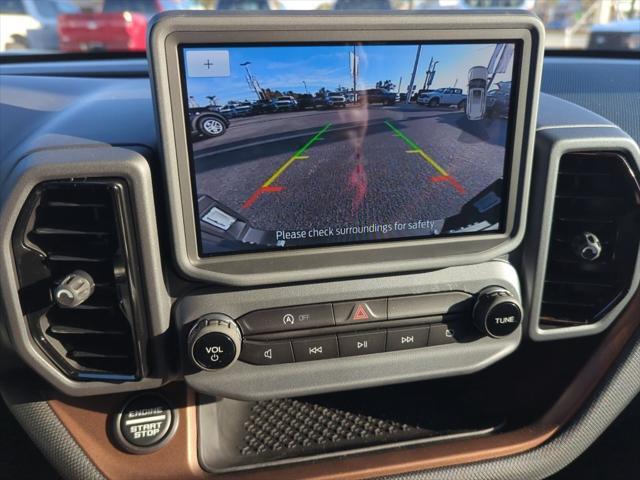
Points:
(443, 97)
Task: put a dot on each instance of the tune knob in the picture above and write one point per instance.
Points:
(496, 312)
(214, 342)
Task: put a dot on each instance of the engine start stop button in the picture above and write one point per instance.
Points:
(145, 423)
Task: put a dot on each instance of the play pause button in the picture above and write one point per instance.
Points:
(361, 343)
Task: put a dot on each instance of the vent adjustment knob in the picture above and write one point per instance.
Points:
(74, 289)
(497, 313)
(214, 342)
(587, 246)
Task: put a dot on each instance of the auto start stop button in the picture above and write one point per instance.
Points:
(145, 423)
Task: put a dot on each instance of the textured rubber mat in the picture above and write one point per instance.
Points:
(246, 435)
(277, 425)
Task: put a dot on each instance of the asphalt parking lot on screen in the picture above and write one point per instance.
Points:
(356, 165)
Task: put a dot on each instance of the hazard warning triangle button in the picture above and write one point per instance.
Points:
(360, 311)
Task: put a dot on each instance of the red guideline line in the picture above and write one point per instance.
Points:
(252, 199)
(451, 180)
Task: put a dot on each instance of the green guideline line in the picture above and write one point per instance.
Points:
(295, 156)
(407, 140)
(417, 149)
(312, 141)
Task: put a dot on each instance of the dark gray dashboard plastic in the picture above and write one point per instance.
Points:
(168, 31)
(85, 162)
(250, 382)
(611, 88)
(564, 127)
(27, 404)
(39, 113)
(94, 68)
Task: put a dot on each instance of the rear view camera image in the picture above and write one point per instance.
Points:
(311, 145)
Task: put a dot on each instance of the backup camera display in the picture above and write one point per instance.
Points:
(312, 145)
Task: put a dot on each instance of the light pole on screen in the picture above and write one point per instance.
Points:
(252, 81)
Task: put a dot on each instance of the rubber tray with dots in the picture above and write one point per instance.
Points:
(239, 435)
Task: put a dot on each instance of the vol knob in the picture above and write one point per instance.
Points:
(214, 342)
(497, 313)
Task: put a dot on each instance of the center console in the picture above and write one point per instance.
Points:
(352, 177)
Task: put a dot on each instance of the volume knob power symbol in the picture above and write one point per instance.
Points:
(214, 342)
(497, 312)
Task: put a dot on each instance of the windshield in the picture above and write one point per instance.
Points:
(71, 26)
(51, 8)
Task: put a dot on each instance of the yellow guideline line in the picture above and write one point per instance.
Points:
(416, 149)
(295, 156)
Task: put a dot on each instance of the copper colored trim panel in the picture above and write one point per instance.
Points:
(87, 420)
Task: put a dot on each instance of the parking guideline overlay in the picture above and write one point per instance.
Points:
(296, 156)
(415, 148)
(267, 185)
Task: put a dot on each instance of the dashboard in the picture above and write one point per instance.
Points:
(296, 284)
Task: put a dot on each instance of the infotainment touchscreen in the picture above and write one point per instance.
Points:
(296, 145)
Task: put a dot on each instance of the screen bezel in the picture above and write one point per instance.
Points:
(169, 31)
(506, 167)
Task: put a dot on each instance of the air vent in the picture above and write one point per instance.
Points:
(68, 226)
(594, 239)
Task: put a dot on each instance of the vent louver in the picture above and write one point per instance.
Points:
(67, 226)
(597, 199)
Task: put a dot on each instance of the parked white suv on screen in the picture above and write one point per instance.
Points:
(285, 103)
(444, 97)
